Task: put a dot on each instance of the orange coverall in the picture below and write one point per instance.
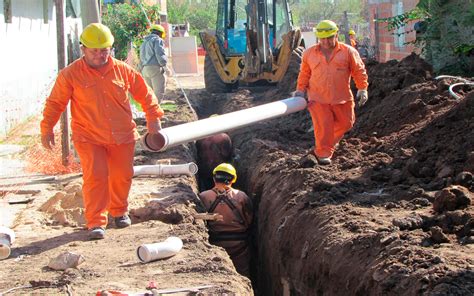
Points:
(231, 233)
(330, 99)
(103, 130)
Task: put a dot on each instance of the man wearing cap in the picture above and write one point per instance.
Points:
(103, 130)
(234, 210)
(154, 60)
(325, 73)
(353, 39)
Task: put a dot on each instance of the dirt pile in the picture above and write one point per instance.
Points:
(66, 207)
(365, 224)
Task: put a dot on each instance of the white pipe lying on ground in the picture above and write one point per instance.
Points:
(184, 133)
(455, 95)
(149, 252)
(7, 237)
(166, 169)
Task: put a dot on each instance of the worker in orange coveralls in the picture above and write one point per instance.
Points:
(325, 74)
(353, 40)
(236, 212)
(103, 130)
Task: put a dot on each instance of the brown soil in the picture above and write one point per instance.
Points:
(392, 215)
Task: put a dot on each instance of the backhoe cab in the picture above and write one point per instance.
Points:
(254, 40)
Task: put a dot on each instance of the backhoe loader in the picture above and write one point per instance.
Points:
(254, 41)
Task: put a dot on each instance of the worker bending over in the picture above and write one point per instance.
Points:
(103, 130)
(325, 74)
(232, 231)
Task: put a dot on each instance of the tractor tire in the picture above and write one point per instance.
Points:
(213, 82)
(288, 83)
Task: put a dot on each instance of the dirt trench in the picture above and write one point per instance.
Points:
(392, 215)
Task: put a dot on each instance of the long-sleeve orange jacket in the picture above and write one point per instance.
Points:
(100, 106)
(328, 82)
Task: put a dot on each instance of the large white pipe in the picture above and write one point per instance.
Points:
(150, 252)
(191, 131)
(166, 169)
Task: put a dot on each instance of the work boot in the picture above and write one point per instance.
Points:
(97, 233)
(324, 160)
(122, 221)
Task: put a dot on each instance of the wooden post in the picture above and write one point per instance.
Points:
(61, 48)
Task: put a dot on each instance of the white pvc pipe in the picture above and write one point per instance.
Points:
(191, 131)
(453, 77)
(150, 252)
(166, 169)
(455, 95)
(7, 237)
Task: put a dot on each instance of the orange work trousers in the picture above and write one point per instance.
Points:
(107, 171)
(330, 123)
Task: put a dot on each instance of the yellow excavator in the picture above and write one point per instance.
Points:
(254, 41)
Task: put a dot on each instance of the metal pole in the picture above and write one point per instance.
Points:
(61, 47)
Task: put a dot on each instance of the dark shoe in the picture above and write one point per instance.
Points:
(324, 160)
(97, 233)
(123, 221)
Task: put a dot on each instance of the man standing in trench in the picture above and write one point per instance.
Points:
(154, 60)
(103, 130)
(326, 70)
(212, 151)
(236, 212)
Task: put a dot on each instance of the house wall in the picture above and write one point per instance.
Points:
(388, 44)
(29, 61)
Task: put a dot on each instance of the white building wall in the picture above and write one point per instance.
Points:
(28, 59)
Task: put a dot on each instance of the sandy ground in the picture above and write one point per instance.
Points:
(160, 207)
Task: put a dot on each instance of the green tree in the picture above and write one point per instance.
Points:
(311, 12)
(200, 16)
(128, 24)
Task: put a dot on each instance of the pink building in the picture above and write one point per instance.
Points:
(390, 44)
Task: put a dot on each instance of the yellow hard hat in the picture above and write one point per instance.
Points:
(351, 32)
(158, 28)
(226, 168)
(96, 35)
(326, 29)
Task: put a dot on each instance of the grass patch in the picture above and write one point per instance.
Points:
(168, 107)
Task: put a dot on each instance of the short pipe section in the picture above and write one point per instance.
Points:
(166, 169)
(168, 248)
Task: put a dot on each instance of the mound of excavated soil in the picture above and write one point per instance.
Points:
(365, 225)
(66, 207)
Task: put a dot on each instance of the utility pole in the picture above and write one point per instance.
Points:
(61, 48)
(345, 28)
(90, 12)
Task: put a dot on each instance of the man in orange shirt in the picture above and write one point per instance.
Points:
(352, 37)
(326, 70)
(103, 130)
(235, 211)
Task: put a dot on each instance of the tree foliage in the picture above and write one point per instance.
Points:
(128, 24)
(444, 33)
(200, 16)
(312, 11)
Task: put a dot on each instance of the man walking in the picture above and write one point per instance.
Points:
(103, 130)
(154, 60)
(326, 70)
